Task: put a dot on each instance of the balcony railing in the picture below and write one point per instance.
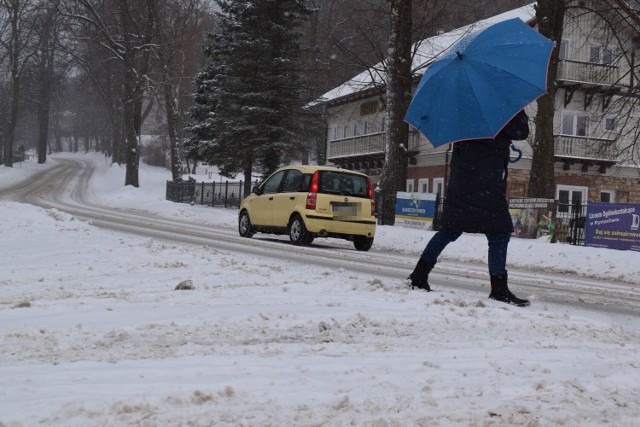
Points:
(581, 147)
(374, 143)
(588, 73)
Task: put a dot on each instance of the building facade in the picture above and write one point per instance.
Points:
(596, 121)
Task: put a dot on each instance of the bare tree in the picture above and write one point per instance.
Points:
(17, 39)
(398, 97)
(98, 68)
(612, 28)
(550, 19)
(48, 68)
(126, 35)
(174, 22)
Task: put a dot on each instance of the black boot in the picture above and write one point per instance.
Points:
(420, 276)
(500, 292)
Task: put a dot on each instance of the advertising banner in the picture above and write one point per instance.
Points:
(613, 226)
(533, 218)
(415, 209)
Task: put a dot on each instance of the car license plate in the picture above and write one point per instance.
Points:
(345, 211)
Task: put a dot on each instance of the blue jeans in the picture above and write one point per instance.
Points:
(498, 244)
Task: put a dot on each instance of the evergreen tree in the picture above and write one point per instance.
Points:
(251, 95)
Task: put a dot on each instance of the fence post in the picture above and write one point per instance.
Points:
(226, 192)
(436, 213)
(575, 215)
(213, 194)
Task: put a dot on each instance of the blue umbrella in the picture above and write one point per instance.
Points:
(481, 83)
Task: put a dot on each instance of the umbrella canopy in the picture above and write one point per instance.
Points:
(481, 83)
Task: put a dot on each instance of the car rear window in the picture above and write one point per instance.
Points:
(343, 183)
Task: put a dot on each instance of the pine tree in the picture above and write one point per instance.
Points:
(251, 94)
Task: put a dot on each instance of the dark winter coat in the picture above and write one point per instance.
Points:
(476, 193)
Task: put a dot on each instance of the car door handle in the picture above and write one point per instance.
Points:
(270, 198)
(292, 198)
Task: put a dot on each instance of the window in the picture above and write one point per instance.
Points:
(568, 197)
(438, 186)
(574, 123)
(346, 184)
(423, 185)
(292, 181)
(346, 131)
(355, 129)
(335, 133)
(273, 183)
(606, 196)
(610, 124)
(600, 55)
(366, 128)
(563, 52)
(410, 183)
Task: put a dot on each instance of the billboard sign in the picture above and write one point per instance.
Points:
(613, 226)
(533, 218)
(415, 209)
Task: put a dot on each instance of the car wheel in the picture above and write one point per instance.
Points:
(298, 233)
(362, 243)
(244, 225)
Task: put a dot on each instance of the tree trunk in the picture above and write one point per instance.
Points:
(550, 18)
(14, 56)
(172, 119)
(133, 95)
(398, 98)
(117, 138)
(167, 89)
(44, 103)
(13, 119)
(132, 151)
(43, 130)
(248, 184)
(57, 133)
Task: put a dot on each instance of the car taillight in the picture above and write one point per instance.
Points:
(373, 201)
(312, 197)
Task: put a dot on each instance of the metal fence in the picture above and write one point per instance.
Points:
(570, 221)
(220, 194)
(570, 218)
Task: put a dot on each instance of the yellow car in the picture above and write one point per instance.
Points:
(312, 201)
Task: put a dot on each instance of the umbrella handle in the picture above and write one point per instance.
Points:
(517, 150)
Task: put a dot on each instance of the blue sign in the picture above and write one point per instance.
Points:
(613, 225)
(415, 209)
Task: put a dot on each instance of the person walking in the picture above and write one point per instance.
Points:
(476, 202)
